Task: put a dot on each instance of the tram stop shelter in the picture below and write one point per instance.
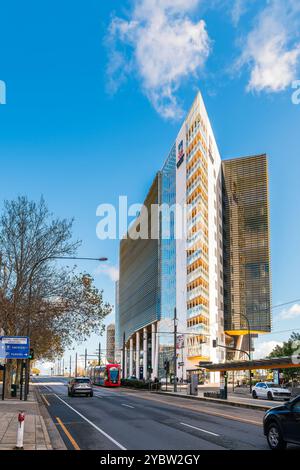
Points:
(277, 363)
(269, 364)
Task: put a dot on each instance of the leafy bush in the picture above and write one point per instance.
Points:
(141, 384)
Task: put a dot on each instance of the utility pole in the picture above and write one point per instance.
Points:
(99, 355)
(70, 367)
(249, 347)
(63, 367)
(85, 362)
(175, 350)
(123, 358)
(76, 357)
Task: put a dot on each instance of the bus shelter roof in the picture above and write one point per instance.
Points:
(273, 363)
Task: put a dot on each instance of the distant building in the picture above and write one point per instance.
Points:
(110, 343)
(118, 338)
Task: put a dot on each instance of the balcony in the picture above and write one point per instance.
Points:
(199, 272)
(198, 310)
(198, 254)
(200, 350)
(202, 329)
(198, 291)
(198, 145)
(193, 170)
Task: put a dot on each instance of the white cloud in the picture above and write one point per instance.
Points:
(167, 47)
(291, 313)
(262, 350)
(111, 271)
(272, 48)
(238, 9)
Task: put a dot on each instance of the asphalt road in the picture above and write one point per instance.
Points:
(119, 419)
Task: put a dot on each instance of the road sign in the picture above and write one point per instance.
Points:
(14, 347)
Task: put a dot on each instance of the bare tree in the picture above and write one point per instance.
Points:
(51, 304)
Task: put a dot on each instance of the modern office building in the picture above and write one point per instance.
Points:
(207, 227)
(110, 343)
(246, 256)
(139, 289)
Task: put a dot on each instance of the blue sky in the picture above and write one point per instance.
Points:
(96, 93)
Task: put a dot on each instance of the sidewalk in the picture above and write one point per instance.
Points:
(36, 435)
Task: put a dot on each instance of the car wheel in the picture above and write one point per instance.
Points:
(254, 395)
(270, 396)
(275, 439)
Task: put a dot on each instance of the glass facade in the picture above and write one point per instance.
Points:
(168, 244)
(139, 286)
(167, 265)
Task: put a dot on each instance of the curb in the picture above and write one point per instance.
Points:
(55, 438)
(216, 400)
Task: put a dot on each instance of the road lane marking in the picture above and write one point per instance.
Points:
(199, 429)
(128, 406)
(71, 439)
(92, 424)
(45, 400)
(204, 411)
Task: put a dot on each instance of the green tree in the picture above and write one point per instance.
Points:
(288, 349)
(51, 304)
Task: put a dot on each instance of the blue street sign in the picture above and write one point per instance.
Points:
(14, 347)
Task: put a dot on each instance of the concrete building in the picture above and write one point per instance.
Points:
(110, 344)
(181, 261)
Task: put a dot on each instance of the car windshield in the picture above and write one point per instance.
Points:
(273, 386)
(82, 381)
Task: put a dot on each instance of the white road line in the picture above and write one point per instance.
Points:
(199, 429)
(92, 424)
(128, 406)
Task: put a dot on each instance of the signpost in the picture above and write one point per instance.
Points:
(13, 347)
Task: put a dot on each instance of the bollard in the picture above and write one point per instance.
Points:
(20, 434)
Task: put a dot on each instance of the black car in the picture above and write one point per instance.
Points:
(282, 425)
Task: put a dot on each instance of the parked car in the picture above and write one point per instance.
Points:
(80, 386)
(282, 425)
(270, 391)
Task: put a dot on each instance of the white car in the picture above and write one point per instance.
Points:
(270, 391)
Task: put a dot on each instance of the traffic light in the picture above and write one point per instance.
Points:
(167, 366)
(215, 343)
(31, 354)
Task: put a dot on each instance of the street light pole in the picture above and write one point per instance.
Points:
(85, 362)
(249, 338)
(175, 349)
(123, 357)
(99, 355)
